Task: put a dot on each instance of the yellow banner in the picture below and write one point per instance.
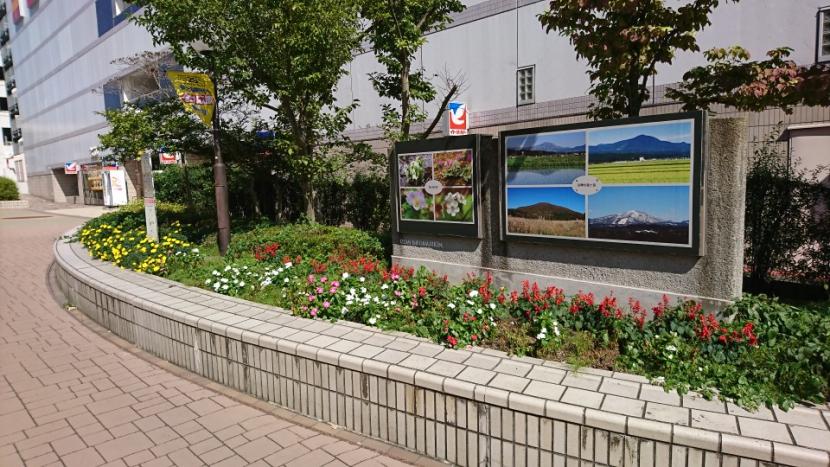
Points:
(196, 93)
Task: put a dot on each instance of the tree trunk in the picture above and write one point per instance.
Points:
(405, 66)
(308, 195)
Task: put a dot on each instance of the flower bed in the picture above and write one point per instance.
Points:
(764, 353)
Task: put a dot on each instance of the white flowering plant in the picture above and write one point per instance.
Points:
(232, 280)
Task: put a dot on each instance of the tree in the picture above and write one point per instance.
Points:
(624, 41)
(396, 30)
(284, 55)
(731, 78)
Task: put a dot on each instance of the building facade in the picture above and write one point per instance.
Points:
(63, 64)
(10, 166)
(514, 74)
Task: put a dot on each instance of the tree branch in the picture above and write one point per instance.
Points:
(441, 110)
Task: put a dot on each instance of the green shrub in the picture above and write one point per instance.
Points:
(368, 203)
(8, 190)
(196, 223)
(309, 241)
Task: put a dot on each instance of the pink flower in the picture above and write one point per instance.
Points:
(326, 304)
(314, 312)
(319, 290)
(395, 276)
(398, 293)
(310, 278)
(335, 284)
(311, 298)
(324, 279)
(333, 290)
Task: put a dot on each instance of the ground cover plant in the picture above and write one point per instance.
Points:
(758, 352)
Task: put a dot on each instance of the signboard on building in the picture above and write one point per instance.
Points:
(70, 168)
(632, 182)
(115, 187)
(457, 119)
(436, 186)
(167, 158)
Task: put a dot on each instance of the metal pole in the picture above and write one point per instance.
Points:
(149, 193)
(220, 180)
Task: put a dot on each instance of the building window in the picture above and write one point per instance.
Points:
(7, 136)
(4, 103)
(119, 6)
(525, 85)
(823, 35)
(18, 171)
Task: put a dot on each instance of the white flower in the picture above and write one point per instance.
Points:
(345, 275)
(352, 291)
(195, 250)
(207, 281)
(671, 348)
(225, 287)
(215, 272)
(373, 320)
(541, 336)
(242, 283)
(363, 290)
(227, 268)
(344, 310)
(556, 329)
(473, 293)
(384, 287)
(289, 264)
(479, 311)
(362, 279)
(492, 306)
(285, 280)
(216, 285)
(224, 279)
(470, 302)
(451, 306)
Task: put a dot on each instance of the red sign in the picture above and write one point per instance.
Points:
(167, 158)
(458, 121)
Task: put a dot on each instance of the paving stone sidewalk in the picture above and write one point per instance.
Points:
(69, 396)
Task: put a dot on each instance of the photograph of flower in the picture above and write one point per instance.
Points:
(545, 158)
(454, 205)
(454, 168)
(416, 204)
(544, 211)
(414, 170)
(644, 153)
(656, 214)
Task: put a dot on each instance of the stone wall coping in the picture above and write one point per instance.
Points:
(618, 402)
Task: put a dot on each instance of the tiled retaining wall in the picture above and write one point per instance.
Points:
(480, 407)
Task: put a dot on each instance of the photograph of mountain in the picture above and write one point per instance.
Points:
(545, 158)
(554, 212)
(646, 153)
(656, 214)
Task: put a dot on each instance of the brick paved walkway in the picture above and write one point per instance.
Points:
(69, 396)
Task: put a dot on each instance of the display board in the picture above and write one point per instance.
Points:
(632, 183)
(436, 188)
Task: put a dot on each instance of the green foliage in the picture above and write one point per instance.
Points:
(152, 125)
(290, 52)
(731, 78)
(397, 30)
(624, 42)
(783, 235)
(195, 224)
(8, 190)
(367, 202)
(312, 241)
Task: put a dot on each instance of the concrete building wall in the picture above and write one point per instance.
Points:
(63, 57)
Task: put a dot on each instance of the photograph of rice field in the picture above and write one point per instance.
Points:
(545, 211)
(545, 158)
(641, 154)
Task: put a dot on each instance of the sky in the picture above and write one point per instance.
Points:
(567, 139)
(676, 132)
(666, 202)
(565, 196)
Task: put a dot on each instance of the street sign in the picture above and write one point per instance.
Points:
(458, 119)
(70, 168)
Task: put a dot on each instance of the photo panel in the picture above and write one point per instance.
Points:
(454, 168)
(642, 153)
(651, 214)
(436, 186)
(417, 205)
(553, 158)
(545, 211)
(414, 170)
